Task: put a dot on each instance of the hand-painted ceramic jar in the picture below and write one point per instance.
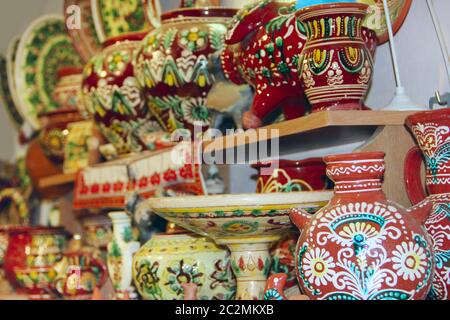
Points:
(97, 232)
(55, 131)
(79, 273)
(67, 91)
(172, 65)
(336, 65)
(291, 176)
(432, 132)
(112, 96)
(168, 261)
(36, 282)
(362, 246)
(33, 247)
(263, 42)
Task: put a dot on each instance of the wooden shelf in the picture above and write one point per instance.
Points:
(57, 180)
(307, 124)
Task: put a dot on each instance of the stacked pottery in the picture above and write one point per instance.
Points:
(167, 262)
(173, 62)
(113, 98)
(362, 246)
(336, 64)
(262, 50)
(432, 132)
(120, 256)
(31, 254)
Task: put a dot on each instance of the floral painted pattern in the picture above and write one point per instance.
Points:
(318, 266)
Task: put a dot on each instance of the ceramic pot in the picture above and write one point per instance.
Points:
(112, 96)
(432, 131)
(97, 232)
(78, 275)
(262, 48)
(291, 176)
(4, 239)
(335, 65)
(362, 246)
(31, 248)
(120, 256)
(67, 91)
(55, 130)
(36, 282)
(172, 66)
(166, 262)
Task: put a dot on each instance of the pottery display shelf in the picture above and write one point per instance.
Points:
(373, 130)
(246, 223)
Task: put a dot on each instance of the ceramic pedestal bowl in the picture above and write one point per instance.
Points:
(246, 223)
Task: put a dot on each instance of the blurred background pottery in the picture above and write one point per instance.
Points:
(336, 66)
(97, 232)
(361, 228)
(168, 261)
(291, 176)
(36, 282)
(113, 98)
(79, 273)
(432, 132)
(261, 49)
(33, 247)
(172, 66)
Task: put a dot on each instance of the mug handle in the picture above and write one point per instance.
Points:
(103, 271)
(58, 286)
(413, 181)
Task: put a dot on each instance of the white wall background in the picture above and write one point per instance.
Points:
(421, 63)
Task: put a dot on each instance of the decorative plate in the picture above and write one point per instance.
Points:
(84, 36)
(377, 21)
(6, 94)
(113, 18)
(44, 48)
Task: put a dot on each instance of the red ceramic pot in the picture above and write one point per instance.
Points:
(33, 247)
(55, 131)
(112, 96)
(291, 176)
(172, 66)
(36, 282)
(81, 273)
(4, 239)
(336, 65)
(432, 132)
(362, 246)
(67, 92)
(262, 48)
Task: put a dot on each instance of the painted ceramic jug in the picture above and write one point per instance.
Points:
(336, 65)
(432, 132)
(33, 247)
(79, 273)
(167, 261)
(262, 50)
(291, 176)
(112, 96)
(362, 246)
(120, 256)
(173, 66)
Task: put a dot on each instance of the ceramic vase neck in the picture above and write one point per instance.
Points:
(331, 21)
(121, 222)
(356, 173)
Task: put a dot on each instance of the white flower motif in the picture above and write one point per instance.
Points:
(447, 275)
(318, 266)
(409, 261)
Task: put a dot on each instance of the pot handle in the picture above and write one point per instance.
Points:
(103, 271)
(413, 181)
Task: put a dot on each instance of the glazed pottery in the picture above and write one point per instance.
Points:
(6, 95)
(116, 18)
(84, 36)
(43, 49)
(247, 224)
(112, 96)
(78, 275)
(262, 50)
(362, 246)
(11, 55)
(36, 282)
(97, 232)
(432, 132)
(120, 256)
(335, 66)
(167, 261)
(172, 62)
(291, 176)
(33, 247)
(54, 132)
(283, 258)
(67, 91)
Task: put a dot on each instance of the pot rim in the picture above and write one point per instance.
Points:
(428, 116)
(210, 12)
(290, 163)
(135, 36)
(337, 5)
(59, 111)
(69, 71)
(360, 156)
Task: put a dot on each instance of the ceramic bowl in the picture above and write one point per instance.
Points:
(36, 282)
